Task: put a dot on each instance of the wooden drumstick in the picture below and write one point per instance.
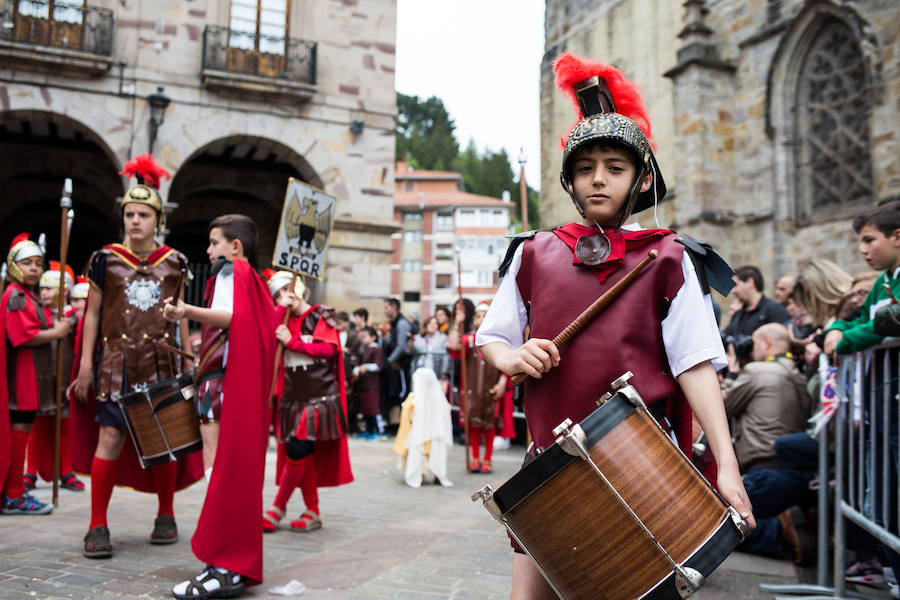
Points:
(591, 312)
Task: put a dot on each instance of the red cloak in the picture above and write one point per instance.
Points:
(22, 326)
(332, 457)
(5, 433)
(84, 431)
(229, 530)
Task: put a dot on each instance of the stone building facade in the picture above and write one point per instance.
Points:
(776, 120)
(451, 241)
(258, 91)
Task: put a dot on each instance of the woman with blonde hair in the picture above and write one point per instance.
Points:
(820, 287)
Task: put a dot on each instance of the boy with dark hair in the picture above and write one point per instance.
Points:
(234, 380)
(661, 327)
(757, 309)
(117, 350)
(360, 318)
(879, 242)
(369, 381)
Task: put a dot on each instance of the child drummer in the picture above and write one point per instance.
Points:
(652, 329)
(121, 328)
(237, 355)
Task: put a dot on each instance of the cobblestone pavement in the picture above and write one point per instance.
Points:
(380, 540)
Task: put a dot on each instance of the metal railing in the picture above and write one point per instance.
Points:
(865, 488)
(60, 24)
(242, 52)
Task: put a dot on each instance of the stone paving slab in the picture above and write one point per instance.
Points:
(381, 540)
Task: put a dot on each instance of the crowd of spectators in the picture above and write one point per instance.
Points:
(771, 389)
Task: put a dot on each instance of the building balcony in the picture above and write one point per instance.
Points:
(246, 63)
(64, 36)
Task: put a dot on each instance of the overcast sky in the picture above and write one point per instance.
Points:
(482, 58)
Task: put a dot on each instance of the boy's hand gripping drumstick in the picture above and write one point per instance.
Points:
(591, 312)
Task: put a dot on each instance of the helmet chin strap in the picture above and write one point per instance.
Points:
(655, 199)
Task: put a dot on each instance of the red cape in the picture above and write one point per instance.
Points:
(229, 530)
(21, 328)
(84, 431)
(5, 433)
(332, 458)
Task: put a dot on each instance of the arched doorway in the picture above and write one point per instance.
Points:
(38, 150)
(238, 174)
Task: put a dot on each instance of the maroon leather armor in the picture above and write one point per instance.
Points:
(131, 318)
(627, 336)
(481, 377)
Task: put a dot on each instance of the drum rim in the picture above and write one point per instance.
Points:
(554, 459)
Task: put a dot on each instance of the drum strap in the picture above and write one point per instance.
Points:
(211, 375)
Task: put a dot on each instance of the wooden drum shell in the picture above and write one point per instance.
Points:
(173, 427)
(579, 533)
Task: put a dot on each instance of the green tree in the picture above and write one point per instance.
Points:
(425, 137)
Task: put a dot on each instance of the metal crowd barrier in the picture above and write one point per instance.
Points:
(867, 385)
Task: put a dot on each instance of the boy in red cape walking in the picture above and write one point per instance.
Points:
(312, 424)
(236, 356)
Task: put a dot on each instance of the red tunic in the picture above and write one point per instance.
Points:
(332, 457)
(19, 310)
(229, 531)
(5, 434)
(627, 336)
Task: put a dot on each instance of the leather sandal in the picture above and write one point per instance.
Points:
(96, 543)
(271, 518)
(164, 530)
(197, 587)
(486, 467)
(475, 466)
(71, 482)
(308, 521)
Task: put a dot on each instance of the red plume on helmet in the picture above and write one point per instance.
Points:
(22, 237)
(267, 273)
(571, 69)
(146, 170)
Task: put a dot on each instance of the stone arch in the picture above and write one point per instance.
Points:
(233, 174)
(38, 150)
(783, 79)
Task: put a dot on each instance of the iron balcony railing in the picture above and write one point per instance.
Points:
(65, 24)
(254, 54)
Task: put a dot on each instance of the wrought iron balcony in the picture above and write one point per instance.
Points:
(65, 24)
(258, 63)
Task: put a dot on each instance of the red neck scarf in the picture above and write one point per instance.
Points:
(620, 242)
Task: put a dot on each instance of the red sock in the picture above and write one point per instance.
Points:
(34, 450)
(14, 487)
(103, 479)
(309, 486)
(475, 441)
(291, 476)
(65, 450)
(488, 443)
(164, 482)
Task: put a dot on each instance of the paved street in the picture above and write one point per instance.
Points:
(381, 540)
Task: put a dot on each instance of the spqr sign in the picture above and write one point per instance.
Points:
(303, 233)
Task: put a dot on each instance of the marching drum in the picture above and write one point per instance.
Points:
(614, 510)
(162, 420)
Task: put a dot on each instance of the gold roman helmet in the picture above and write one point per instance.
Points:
(610, 108)
(149, 175)
(20, 249)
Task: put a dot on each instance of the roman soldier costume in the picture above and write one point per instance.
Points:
(481, 385)
(126, 355)
(26, 366)
(40, 443)
(311, 424)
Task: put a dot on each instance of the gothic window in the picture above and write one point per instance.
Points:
(834, 172)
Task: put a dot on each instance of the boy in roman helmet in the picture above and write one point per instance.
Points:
(311, 425)
(28, 337)
(661, 327)
(119, 349)
(40, 443)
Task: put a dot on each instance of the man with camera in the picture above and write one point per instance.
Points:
(757, 310)
(766, 399)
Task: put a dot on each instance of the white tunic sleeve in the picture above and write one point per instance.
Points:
(223, 294)
(690, 334)
(506, 319)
